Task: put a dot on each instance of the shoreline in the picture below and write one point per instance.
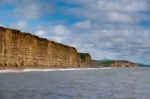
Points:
(47, 69)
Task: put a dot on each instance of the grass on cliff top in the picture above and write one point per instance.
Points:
(103, 63)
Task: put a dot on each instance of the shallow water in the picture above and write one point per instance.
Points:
(121, 83)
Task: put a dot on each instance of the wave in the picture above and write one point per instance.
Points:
(47, 70)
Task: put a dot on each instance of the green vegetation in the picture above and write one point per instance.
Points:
(15, 30)
(83, 56)
(102, 63)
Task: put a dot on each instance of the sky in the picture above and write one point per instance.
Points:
(107, 29)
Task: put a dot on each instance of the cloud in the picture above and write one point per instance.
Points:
(105, 11)
(28, 9)
(82, 25)
(104, 43)
(19, 25)
(40, 33)
(1, 25)
(55, 32)
(119, 17)
(29, 12)
(60, 30)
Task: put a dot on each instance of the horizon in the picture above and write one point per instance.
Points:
(107, 29)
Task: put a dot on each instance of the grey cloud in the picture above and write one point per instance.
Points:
(82, 25)
(126, 11)
(28, 9)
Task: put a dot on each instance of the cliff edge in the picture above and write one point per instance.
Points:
(24, 50)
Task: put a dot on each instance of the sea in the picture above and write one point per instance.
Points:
(90, 83)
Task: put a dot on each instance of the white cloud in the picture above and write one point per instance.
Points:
(1, 25)
(83, 25)
(59, 30)
(121, 5)
(120, 17)
(40, 33)
(57, 39)
(56, 32)
(126, 11)
(20, 25)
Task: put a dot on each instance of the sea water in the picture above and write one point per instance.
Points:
(105, 83)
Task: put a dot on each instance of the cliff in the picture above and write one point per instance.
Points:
(113, 63)
(85, 60)
(23, 50)
(122, 63)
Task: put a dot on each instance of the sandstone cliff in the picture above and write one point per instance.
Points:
(23, 50)
(113, 63)
(122, 63)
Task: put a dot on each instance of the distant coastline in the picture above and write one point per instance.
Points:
(114, 63)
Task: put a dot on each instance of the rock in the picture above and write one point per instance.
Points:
(113, 63)
(23, 50)
(85, 60)
(123, 63)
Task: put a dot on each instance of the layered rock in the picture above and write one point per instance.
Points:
(23, 50)
(123, 63)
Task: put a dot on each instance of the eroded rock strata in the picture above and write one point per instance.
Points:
(23, 50)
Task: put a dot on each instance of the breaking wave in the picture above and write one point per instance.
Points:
(47, 70)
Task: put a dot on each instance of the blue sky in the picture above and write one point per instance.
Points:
(107, 29)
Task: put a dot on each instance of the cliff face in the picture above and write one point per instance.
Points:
(23, 50)
(85, 60)
(122, 63)
(113, 63)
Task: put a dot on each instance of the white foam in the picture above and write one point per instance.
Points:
(47, 70)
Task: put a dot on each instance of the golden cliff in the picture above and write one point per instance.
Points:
(23, 50)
